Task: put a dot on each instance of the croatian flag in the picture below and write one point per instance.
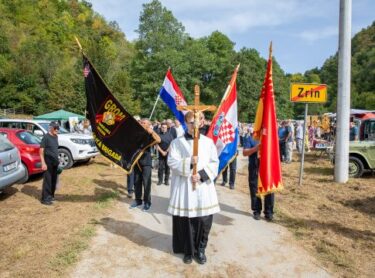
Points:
(171, 94)
(224, 128)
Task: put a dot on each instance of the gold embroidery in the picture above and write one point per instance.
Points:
(195, 209)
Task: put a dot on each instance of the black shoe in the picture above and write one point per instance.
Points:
(146, 207)
(200, 256)
(231, 186)
(159, 183)
(256, 216)
(269, 217)
(188, 259)
(223, 184)
(166, 183)
(135, 204)
(47, 203)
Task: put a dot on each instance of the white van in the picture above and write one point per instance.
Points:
(73, 147)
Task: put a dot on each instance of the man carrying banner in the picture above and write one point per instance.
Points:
(224, 128)
(268, 178)
(192, 209)
(111, 123)
(142, 175)
(250, 149)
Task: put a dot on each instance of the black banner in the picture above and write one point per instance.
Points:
(118, 136)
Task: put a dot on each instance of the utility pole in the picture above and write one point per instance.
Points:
(343, 93)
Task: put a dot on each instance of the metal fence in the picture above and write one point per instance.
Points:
(11, 112)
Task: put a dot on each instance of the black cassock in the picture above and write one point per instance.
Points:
(190, 234)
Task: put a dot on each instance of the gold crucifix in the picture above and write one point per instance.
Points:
(196, 109)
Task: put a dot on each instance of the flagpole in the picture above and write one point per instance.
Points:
(153, 109)
(229, 88)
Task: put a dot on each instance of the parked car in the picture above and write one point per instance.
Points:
(73, 147)
(11, 169)
(362, 152)
(28, 145)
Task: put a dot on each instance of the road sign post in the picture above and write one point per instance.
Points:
(307, 93)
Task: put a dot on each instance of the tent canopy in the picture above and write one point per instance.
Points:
(59, 115)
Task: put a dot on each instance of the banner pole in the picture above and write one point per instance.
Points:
(153, 109)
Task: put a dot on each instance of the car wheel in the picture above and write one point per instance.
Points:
(356, 167)
(26, 177)
(65, 159)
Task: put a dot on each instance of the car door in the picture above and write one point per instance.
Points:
(9, 162)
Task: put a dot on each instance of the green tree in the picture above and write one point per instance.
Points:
(160, 45)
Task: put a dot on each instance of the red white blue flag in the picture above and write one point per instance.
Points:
(171, 94)
(224, 128)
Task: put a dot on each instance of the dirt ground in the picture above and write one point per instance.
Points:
(43, 241)
(333, 222)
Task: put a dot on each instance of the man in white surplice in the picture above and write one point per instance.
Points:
(192, 211)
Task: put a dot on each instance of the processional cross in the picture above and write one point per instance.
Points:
(196, 109)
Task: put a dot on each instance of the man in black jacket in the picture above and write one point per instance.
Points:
(163, 148)
(142, 175)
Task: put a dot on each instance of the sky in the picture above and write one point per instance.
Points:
(304, 33)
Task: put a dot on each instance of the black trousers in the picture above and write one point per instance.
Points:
(49, 180)
(282, 149)
(190, 234)
(142, 180)
(256, 202)
(130, 182)
(163, 169)
(232, 172)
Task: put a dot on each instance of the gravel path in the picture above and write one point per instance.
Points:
(133, 243)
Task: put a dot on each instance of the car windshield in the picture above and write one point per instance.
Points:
(28, 138)
(46, 127)
(5, 145)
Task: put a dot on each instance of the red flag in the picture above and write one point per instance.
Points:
(265, 130)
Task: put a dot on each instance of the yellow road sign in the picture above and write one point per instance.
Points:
(304, 92)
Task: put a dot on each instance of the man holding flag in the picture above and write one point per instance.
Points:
(224, 128)
(268, 179)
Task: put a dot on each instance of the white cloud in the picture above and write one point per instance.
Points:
(238, 16)
(319, 34)
(201, 17)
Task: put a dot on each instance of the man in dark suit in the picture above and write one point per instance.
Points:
(142, 175)
(163, 148)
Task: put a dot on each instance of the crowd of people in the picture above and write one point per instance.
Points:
(191, 209)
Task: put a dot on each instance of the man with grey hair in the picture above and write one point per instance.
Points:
(142, 175)
(49, 155)
(171, 128)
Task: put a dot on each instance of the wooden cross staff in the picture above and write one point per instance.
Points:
(196, 109)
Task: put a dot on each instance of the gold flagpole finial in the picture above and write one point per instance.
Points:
(79, 45)
(270, 52)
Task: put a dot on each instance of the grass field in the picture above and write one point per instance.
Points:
(45, 241)
(334, 222)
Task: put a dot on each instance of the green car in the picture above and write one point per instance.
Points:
(362, 152)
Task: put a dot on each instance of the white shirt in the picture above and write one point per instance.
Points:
(183, 200)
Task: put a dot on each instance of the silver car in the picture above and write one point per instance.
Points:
(11, 169)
